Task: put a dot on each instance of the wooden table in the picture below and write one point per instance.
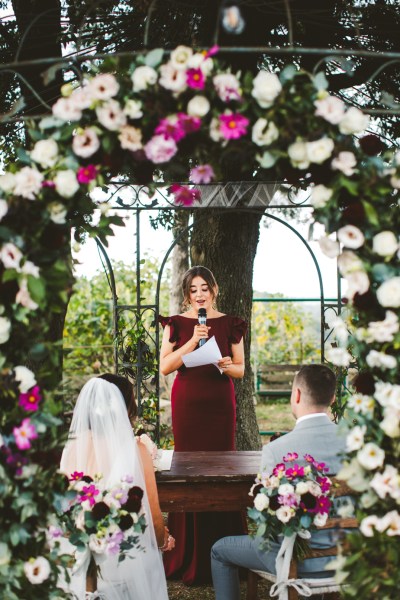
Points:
(208, 481)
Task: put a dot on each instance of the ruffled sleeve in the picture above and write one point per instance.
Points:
(238, 330)
(173, 330)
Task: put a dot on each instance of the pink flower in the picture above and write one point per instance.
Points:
(88, 493)
(323, 505)
(280, 468)
(295, 471)
(212, 51)
(290, 457)
(233, 126)
(171, 127)
(308, 458)
(289, 500)
(325, 484)
(321, 466)
(30, 400)
(160, 149)
(24, 434)
(76, 476)
(189, 123)
(87, 174)
(202, 174)
(184, 195)
(114, 542)
(195, 79)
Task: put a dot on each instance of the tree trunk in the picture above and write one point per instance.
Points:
(180, 260)
(226, 242)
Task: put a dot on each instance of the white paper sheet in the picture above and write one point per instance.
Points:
(208, 354)
(164, 460)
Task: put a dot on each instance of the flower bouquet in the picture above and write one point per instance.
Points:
(291, 501)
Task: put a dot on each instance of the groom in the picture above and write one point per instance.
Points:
(313, 392)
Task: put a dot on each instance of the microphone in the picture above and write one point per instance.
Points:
(202, 316)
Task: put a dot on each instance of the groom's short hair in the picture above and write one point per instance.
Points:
(318, 382)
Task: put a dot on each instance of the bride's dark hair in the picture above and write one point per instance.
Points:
(126, 389)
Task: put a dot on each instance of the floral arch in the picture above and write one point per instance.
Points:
(161, 120)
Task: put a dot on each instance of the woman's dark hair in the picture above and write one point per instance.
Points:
(126, 389)
(319, 382)
(197, 271)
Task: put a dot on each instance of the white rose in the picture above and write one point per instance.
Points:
(388, 293)
(142, 77)
(390, 523)
(387, 394)
(340, 330)
(383, 331)
(320, 519)
(58, 212)
(25, 378)
(371, 456)
(111, 115)
(339, 357)
(320, 196)
(297, 153)
(133, 109)
(103, 86)
(180, 57)
(285, 488)
(198, 106)
(358, 283)
(349, 262)
(66, 183)
(329, 247)
(5, 327)
(330, 108)
(354, 121)
(172, 79)
(368, 525)
(7, 182)
(264, 132)
(345, 162)
(390, 425)
(380, 360)
(65, 109)
(351, 237)
(28, 183)
(266, 87)
(320, 150)
(284, 514)
(85, 142)
(45, 153)
(97, 545)
(37, 570)
(215, 131)
(10, 256)
(301, 488)
(355, 439)
(261, 502)
(227, 87)
(130, 138)
(385, 243)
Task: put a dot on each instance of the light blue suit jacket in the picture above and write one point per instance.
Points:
(321, 438)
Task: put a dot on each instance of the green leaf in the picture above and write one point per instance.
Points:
(267, 160)
(154, 57)
(23, 156)
(288, 73)
(5, 233)
(50, 122)
(305, 521)
(15, 108)
(49, 74)
(36, 288)
(370, 212)
(320, 81)
(381, 272)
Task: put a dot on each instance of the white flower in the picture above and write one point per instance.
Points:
(320, 519)
(320, 150)
(198, 106)
(264, 132)
(5, 327)
(111, 115)
(97, 545)
(180, 57)
(285, 488)
(358, 283)
(284, 513)
(261, 502)
(329, 247)
(351, 237)
(58, 212)
(45, 153)
(266, 87)
(10, 256)
(330, 108)
(345, 162)
(103, 86)
(142, 77)
(301, 488)
(320, 196)
(66, 109)
(85, 142)
(23, 296)
(367, 500)
(387, 394)
(25, 377)
(385, 243)
(340, 330)
(355, 439)
(314, 488)
(391, 423)
(380, 360)
(66, 183)
(353, 473)
(81, 98)
(368, 525)
(5, 554)
(29, 268)
(7, 182)
(349, 262)
(133, 109)
(227, 86)
(297, 153)
(361, 403)
(130, 138)
(197, 61)
(371, 456)
(28, 183)
(390, 523)
(383, 331)
(388, 293)
(354, 121)
(395, 182)
(172, 79)
(37, 570)
(3, 208)
(338, 356)
(385, 483)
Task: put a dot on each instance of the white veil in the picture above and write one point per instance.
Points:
(101, 440)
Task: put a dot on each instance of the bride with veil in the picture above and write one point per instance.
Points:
(101, 440)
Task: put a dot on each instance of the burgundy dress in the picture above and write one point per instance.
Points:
(203, 418)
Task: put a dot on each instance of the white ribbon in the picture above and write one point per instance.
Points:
(282, 563)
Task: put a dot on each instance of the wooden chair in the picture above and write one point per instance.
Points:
(326, 585)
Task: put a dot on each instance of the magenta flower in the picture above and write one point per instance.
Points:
(325, 484)
(295, 471)
(233, 126)
(195, 79)
(321, 466)
(184, 195)
(323, 505)
(190, 124)
(171, 127)
(30, 400)
(290, 457)
(16, 461)
(212, 51)
(87, 174)
(280, 468)
(48, 183)
(309, 458)
(24, 434)
(88, 493)
(76, 476)
(160, 149)
(202, 174)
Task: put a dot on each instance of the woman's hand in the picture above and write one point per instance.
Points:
(225, 363)
(200, 332)
(169, 541)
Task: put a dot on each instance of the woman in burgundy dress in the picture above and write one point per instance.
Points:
(203, 414)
